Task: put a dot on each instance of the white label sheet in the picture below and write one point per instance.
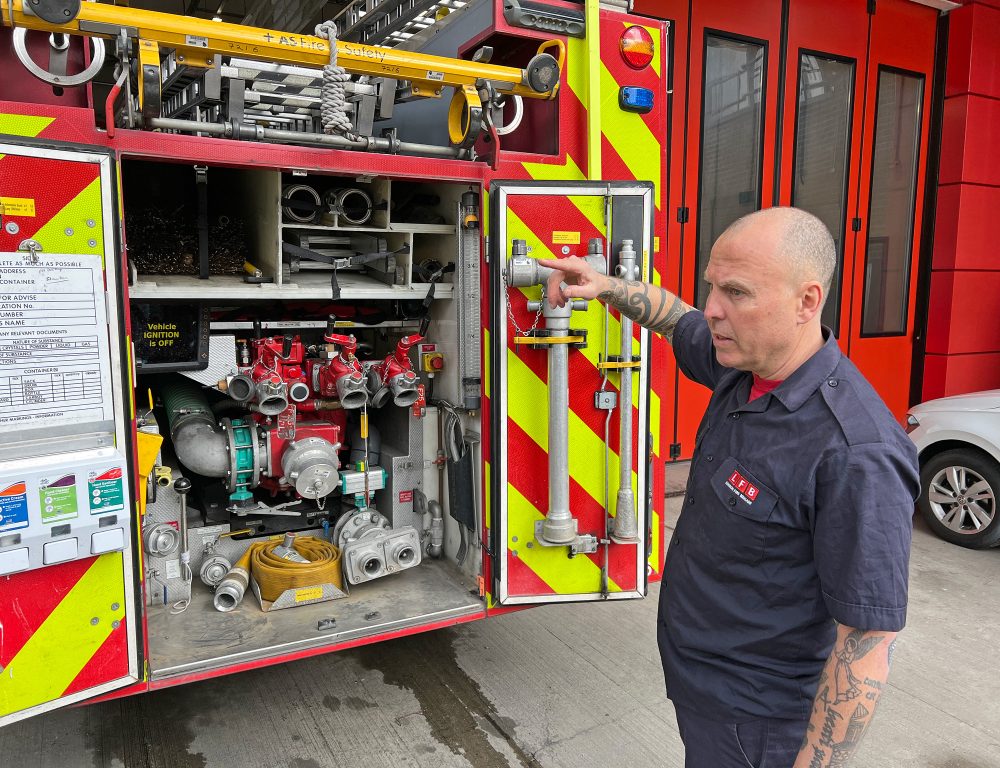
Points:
(55, 364)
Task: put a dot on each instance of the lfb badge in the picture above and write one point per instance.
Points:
(743, 487)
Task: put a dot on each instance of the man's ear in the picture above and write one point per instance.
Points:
(810, 301)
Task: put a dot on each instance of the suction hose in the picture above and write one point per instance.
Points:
(199, 442)
(275, 574)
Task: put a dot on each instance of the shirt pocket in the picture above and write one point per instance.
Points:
(741, 520)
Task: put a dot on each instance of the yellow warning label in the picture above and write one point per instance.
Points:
(308, 593)
(656, 245)
(21, 206)
(566, 238)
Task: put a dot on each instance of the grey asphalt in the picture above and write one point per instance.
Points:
(566, 685)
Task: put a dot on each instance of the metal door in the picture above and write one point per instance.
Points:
(68, 607)
(556, 399)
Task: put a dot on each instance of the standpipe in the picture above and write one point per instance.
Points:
(559, 527)
(626, 529)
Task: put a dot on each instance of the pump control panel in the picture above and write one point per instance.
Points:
(54, 509)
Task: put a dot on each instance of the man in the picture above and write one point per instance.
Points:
(786, 580)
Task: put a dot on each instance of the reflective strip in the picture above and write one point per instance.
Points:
(486, 362)
(23, 125)
(630, 137)
(565, 575)
(74, 216)
(654, 421)
(61, 647)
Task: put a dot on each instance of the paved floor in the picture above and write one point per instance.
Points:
(569, 685)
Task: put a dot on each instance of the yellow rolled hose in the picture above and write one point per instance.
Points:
(274, 574)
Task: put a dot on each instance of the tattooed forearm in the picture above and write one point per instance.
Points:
(650, 306)
(848, 691)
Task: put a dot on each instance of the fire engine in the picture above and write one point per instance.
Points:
(279, 377)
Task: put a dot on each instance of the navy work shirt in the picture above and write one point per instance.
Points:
(798, 512)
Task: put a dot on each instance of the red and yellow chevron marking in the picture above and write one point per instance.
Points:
(64, 217)
(631, 149)
(59, 635)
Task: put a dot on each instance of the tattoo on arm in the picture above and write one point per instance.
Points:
(650, 306)
(847, 693)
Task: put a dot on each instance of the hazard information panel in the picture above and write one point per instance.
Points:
(54, 350)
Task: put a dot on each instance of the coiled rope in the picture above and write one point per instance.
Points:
(333, 102)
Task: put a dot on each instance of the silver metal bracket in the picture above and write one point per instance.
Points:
(582, 545)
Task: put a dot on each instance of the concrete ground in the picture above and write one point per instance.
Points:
(568, 685)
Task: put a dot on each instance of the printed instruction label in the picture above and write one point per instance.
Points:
(308, 593)
(55, 361)
(14, 507)
(57, 498)
(566, 238)
(172, 569)
(17, 206)
(105, 491)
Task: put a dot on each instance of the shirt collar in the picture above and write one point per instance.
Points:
(805, 379)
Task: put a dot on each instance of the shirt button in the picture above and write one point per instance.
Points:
(735, 416)
(832, 382)
(732, 502)
(710, 458)
(677, 539)
(690, 499)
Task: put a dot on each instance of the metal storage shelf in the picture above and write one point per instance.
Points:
(314, 285)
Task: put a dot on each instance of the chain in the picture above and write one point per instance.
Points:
(513, 320)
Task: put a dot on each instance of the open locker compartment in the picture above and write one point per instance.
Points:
(303, 410)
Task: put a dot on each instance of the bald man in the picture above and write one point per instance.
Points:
(785, 582)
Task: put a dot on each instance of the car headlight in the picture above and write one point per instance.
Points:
(911, 423)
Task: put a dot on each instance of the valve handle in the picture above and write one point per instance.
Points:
(182, 485)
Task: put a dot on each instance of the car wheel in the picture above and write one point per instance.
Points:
(959, 490)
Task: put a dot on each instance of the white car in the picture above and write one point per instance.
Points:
(958, 439)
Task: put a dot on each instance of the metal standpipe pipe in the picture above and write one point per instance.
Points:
(559, 526)
(625, 529)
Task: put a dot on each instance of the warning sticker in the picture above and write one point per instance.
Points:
(566, 238)
(14, 507)
(57, 498)
(18, 206)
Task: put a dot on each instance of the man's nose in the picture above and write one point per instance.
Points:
(713, 308)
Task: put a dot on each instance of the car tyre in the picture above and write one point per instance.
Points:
(959, 494)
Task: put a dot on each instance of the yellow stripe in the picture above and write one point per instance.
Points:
(85, 207)
(23, 125)
(654, 550)
(61, 647)
(487, 480)
(564, 575)
(552, 172)
(630, 136)
(654, 423)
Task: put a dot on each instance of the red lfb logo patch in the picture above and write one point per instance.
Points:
(743, 486)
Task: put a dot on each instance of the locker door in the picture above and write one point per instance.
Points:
(557, 396)
(68, 594)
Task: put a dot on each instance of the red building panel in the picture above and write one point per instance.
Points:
(974, 51)
(946, 375)
(970, 141)
(962, 237)
(957, 323)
